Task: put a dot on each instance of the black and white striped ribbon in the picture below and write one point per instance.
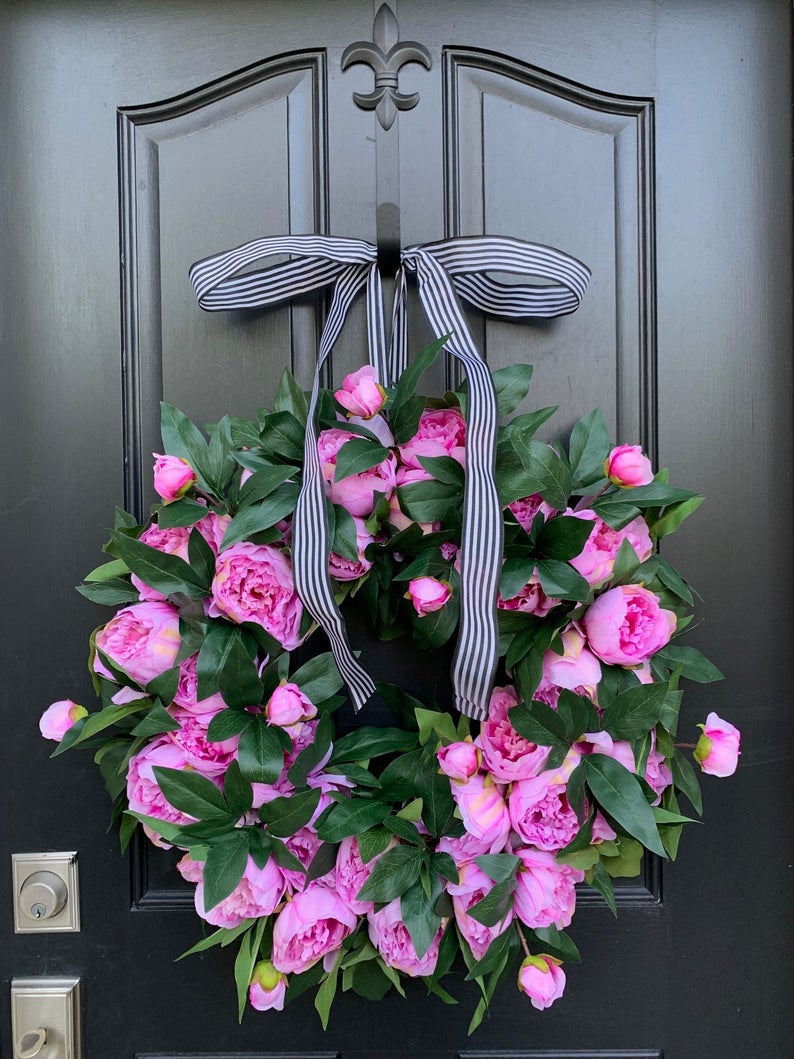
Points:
(444, 270)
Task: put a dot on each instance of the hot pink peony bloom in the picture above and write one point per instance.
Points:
(212, 528)
(441, 432)
(626, 625)
(58, 719)
(253, 582)
(171, 541)
(626, 467)
(530, 600)
(361, 393)
(356, 492)
(577, 668)
(717, 750)
(304, 845)
(351, 874)
(472, 886)
(309, 926)
(143, 791)
(542, 979)
(428, 594)
(288, 706)
(597, 558)
(483, 810)
(173, 477)
(528, 507)
(545, 892)
(268, 987)
(186, 696)
(257, 894)
(459, 761)
(506, 754)
(389, 935)
(540, 813)
(210, 759)
(142, 640)
(342, 569)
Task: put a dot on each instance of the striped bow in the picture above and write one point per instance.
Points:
(444, 270)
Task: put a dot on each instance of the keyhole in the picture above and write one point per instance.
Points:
(37, 911)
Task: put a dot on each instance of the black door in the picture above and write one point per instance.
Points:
(649, 139)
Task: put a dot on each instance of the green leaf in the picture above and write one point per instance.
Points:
(313, 754)
(181, 513)
(395, 872)
(168, 831)
(404, 829)
(577, 714)
(365, 743)
(588, 448)
(601, 882)
(674, 515)
(434, 789)
(498, 866)
(418, 913)
(442, 864)
(404, 421)
(237, 791)
(358, 455)
(261, 516)
(626, 865)
(262, 483)
(156, 720)
(551, 473)
(538, 723)
(694, 665)
(225, 664)
(324, 997)
(164, 686)
(161, 571)
(191, 793)
(556, 943)
(247, 957)
(110, 593)
(444, 469)
(498, 950)
(223, 936)
(428, 501)
(493, 908)
(224, 867)
(561, 581)
(116, 568)
(227, 724)
(671, 579)
(344, 539)
(260, 752)
(515, 574)
(406, 384)
(373, 842)
(291, 398)
(282, 434)
(619, 794)
(183, 438)
(563, 537)
(286, 816)
(626, 564)
(686, 780)
(435, 724)
(319, 678)
(635, 711)
(351, 817)
(95, 723)
(511, 385)
(323, 861)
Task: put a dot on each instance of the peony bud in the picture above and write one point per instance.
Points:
(626, 467)
(542, 979)
(267, 987)
(459, 761)
(58, 719)
(172, 477)
(288, 705)
(717, 750)
(361, 394)
(428, 594)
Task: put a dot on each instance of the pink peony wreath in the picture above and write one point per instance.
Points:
(433, 848)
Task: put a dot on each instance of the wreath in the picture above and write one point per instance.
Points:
(354, 859)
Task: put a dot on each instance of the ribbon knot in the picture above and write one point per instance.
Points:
(443, 270)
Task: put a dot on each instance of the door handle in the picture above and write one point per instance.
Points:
(45, 1018)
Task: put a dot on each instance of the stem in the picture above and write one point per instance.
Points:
(523, 940)
(587, 501)
(684, 746)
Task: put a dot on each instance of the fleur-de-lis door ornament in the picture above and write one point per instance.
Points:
(385, 53)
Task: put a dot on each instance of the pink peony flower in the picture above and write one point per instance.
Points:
(143, 791)
(473, 884)
(253, 582)
(626, 625)
(540, 813)
(531, 599)
(626, 467)
(342, 569)
(171, 541)
(459, 761)
(212, 528)
(542, 979)
(351, 874)
(596, 560)
(268, 987)
(288, 706)
(528, 507)
(545, 889)
(577, 668)
(390, 936)
(304, 844)
(356, 492)
(257, 894)
(309, 926)
(173, 477)
(361, 393)
(483, 811)
(505, 753)
(186, 696)
(209, 758)
(441, 432)
(142, 640)
(428, 594)
(717, 750)
(58, 719)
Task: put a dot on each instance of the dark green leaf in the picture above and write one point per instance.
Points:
(260, 752)
(344, 540)
(493, 908)
(498, 866)
(686, 780)
(291, 398)
(601, 882)
(161, 571)
(588, 449)
(577, 714)
(164, 685)
(181, 513)
(563, 537)
(538, 723)
(673, 516)
(442, 864)
(635, 711)
(286, 816)
(575, 791)
(323, 861)
(373, 842)
(512, 385)
(358, 455)
(560, 580)
(514, 576)
(262, 483)
(404, 829)
(351, 817)
(551, 473)
(313, 754)
(428, 501)
(694, 665)
(227, 724)
(156, 720)
(262, 515)
(237, 791)
(183, 438)
(318, 678)
(444, 469)
(407, 382)
(558, 944)
(365, 743)
(282, 434)
(395, 872)
(418, 913)
(404, 421)
(110, 593)
(618, 792)
(191, 793)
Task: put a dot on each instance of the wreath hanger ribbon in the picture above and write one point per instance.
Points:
(444, 270)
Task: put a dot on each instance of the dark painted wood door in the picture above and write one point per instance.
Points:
(651, 140)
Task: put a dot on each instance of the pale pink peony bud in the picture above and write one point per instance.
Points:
(717, 750)
(172, 477)
(626, 467)
(58, 719)
(428, 594)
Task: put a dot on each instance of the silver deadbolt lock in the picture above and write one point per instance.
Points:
(43, 895)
